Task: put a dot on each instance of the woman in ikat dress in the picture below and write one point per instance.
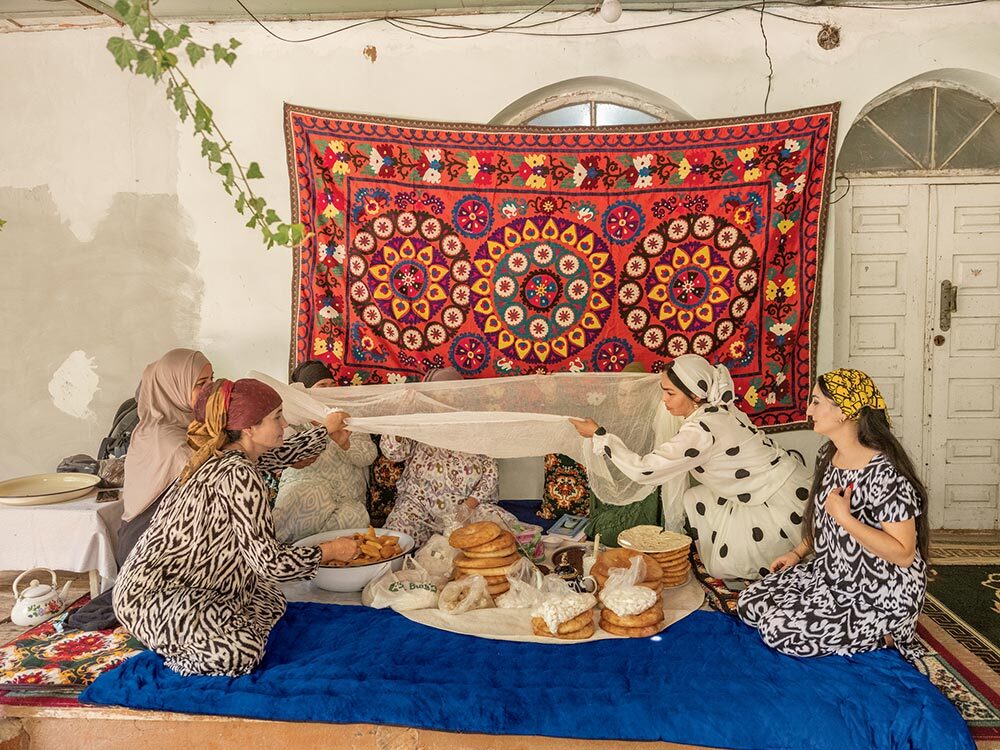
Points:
(748, 505)
(200, 586)
(867, 524)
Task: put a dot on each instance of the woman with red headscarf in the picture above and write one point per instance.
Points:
(200, 587)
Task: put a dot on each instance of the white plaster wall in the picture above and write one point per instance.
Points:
(72, 124)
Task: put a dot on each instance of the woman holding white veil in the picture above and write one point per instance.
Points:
(747, 505)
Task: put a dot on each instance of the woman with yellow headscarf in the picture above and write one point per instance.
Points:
(865, 524)
(200, 586)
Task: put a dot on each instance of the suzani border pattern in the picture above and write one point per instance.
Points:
(515, 250)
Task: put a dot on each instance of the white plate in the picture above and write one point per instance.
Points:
(354, 577)
(42, 489)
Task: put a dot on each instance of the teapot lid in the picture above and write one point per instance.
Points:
(36, 589)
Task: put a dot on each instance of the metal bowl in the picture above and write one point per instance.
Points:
(355, 577)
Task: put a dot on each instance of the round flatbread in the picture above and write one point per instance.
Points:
(504, 539)
(476, 563)
(631, 632)
(474, 534)
(577, 635)
(651, 616)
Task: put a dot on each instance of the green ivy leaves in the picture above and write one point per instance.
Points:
(151, 54)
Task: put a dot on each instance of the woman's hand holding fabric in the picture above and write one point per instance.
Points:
(341, 549)
(471, 502)
(586, 427)
(786, 560)
(336, 421)
(304, 463)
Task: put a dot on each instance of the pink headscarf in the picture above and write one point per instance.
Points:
(158, 449)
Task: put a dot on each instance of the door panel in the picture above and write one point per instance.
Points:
(964, 392)
(881, 279)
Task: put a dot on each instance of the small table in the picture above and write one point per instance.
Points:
(79, 535)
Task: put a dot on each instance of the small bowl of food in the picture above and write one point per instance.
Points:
(378, 550)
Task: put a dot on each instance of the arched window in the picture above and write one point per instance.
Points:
(590, 102)
(936, 127)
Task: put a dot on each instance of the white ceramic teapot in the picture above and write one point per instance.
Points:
(39, 601)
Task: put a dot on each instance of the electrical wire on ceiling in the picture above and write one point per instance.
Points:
(516, 26)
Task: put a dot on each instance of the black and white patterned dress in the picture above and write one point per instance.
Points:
(847, 599)
(199, 586)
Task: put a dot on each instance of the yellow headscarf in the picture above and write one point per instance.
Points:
(852, 390)
(207, 438)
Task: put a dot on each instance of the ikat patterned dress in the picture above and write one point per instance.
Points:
(434, 481)
(328, 495)
(747, 508)
(199, 588)
(846, 600)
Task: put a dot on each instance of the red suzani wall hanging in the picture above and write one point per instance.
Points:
(506, 251)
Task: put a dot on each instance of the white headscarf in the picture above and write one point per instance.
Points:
(158, 449)
(714, 385)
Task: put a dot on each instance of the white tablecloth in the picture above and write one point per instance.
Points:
(78, 535)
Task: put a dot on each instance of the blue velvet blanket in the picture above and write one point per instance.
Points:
(706, 680)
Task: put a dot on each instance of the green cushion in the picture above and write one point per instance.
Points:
(610, 520)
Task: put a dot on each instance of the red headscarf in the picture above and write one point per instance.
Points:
(226, 405)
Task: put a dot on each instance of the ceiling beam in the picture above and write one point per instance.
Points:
(100, 7)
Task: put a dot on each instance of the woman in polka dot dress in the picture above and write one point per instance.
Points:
(747, 506)
(866, 522)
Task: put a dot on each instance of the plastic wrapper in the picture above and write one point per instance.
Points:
(437, 556)
(525, 581)
(465, 595)
(410, 587)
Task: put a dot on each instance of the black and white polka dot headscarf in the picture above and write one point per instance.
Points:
(713, 385)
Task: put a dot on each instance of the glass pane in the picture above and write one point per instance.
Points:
(983, 151)
(574, 114)
(957, 114)
(613, 114)
(867, 150)
(907, 118)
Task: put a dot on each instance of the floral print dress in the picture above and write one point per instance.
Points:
(847, 599)
(434, 482)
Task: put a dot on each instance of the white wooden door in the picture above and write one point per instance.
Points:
(963, 390)
(880, 296)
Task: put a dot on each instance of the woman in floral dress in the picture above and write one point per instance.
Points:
(866, 522)
(200, 587)
(435, 480)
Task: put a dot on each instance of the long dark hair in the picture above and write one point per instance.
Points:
(874, 433)
(676, 381)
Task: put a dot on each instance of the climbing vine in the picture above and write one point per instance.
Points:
(156, 51)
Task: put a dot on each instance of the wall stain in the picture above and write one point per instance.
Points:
(371, 52)
(124, 298)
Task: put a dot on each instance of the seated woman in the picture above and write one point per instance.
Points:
(867, 523)
(435, 480)
(157, 453)
(200, 586)
(328, 494)
(748, 505)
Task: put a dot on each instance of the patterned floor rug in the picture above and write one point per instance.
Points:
(48, 667)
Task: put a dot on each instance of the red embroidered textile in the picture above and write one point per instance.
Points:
(505, 251)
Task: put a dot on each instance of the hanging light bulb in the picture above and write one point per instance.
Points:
(611, 10)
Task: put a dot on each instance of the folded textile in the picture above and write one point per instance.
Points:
(706, 680)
